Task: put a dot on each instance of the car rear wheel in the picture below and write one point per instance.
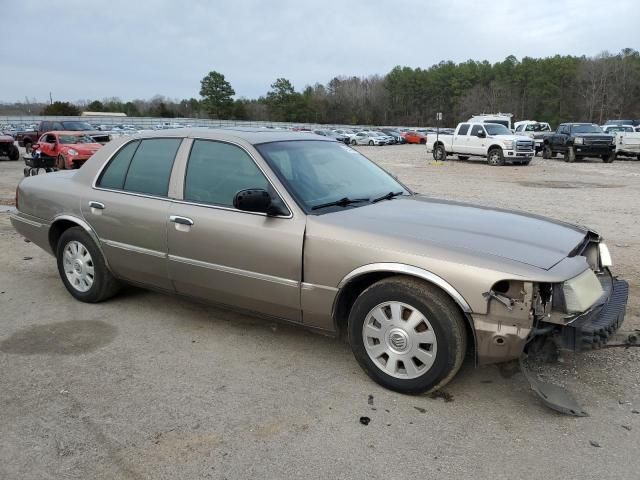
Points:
(439, 153)
(14, 153)
(353, 142)
(407, 335)
(495, 157)
(547, 153)
(60, 163)
(82, 268)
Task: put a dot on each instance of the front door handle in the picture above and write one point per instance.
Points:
(98, 205)
(181, 220)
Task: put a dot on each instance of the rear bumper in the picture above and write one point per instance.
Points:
(593, 329)
(32, 228)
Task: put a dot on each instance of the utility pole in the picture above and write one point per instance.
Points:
(50, 99)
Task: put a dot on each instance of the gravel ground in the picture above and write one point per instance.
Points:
(153, 386)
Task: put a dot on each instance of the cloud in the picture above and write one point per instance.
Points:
(136, 49)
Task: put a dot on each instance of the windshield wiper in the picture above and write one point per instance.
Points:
(343, 202)
(386, 196)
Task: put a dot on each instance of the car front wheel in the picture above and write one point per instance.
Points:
(61, 164)
(82, 268)
(496, 158)
(407, 335)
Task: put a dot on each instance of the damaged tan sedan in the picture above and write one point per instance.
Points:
(307, 230)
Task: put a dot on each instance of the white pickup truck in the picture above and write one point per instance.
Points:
(627, 140)
(494, 142)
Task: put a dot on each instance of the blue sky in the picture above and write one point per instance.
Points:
(140, 48)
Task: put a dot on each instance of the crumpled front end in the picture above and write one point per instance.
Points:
(578, 314)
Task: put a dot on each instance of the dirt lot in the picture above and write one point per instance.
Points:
(153, 386)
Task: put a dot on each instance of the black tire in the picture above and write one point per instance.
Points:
(104, 284)
(570, 155)
(60, 163)
(27, 147)
(463, 157)
(353, 142)
(547, 153)
(495, 157)
(14, 153)
(33, 171)
(371, 143)
(439, 153)
(443, 314)
(609, 158)
(26, 171)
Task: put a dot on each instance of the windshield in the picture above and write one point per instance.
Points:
(496, 129)
(586, 128)
(317, 172)
(76, 126)
(71, 139)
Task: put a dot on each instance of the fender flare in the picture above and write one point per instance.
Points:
(87, 228)
(410, 270)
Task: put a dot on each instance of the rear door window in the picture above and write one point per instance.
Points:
(142, 167)
(464, 128)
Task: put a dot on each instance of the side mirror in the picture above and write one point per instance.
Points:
(481, 134)
(256, 200)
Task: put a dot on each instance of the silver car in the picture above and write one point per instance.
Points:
(304, 229)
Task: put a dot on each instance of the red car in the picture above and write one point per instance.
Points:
(414, 137)
(71, 149)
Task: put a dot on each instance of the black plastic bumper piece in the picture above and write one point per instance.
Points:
(593, 330)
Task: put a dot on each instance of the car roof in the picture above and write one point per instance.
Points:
(68, 132)
(250, 135)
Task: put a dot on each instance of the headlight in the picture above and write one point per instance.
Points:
(72, 152)
(508, 144)
(605, 255)
(578, 141)
(581, 292)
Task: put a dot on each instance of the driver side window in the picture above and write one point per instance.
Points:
(476, 129)
(216, 171)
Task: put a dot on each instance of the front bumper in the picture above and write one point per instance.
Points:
(592, 329)
(518, 154)
(594, 150)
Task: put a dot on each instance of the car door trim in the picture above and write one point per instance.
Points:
(134, 248)
(408, 270)
(236, 271)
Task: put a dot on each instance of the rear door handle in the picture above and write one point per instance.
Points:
(98, 205)
(181, 220)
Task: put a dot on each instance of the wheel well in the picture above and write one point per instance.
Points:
(348, 294)
(494, 147)
(57, 229)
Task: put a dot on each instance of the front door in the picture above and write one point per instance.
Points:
(228, 256)
(477, 144)
(129, 209)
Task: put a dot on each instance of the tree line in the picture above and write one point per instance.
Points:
(552, 89)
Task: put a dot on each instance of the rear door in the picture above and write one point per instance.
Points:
(461, 140)
(129, 207)
(224, 255)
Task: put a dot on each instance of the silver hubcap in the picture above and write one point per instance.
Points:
(399, 339)
(78, 266)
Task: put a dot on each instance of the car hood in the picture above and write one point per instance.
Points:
(520, 237)
(511, 137)
(85, 148)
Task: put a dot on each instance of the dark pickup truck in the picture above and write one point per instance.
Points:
(27, 139)
(579, 140)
